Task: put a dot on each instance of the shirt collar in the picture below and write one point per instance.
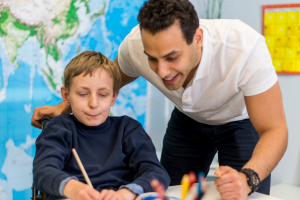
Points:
(204, 65)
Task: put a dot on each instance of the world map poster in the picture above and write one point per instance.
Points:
(38, 38)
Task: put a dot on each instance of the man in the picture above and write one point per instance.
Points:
(218, 75)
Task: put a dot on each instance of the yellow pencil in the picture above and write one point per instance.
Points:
(185, 184)
(82, 168)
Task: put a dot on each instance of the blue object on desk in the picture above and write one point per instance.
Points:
(155, 197)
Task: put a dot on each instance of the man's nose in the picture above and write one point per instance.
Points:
(162, 69)
(93, 101)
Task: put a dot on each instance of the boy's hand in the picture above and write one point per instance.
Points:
(123, 194)
(76, 190)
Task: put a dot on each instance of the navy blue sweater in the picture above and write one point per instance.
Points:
(115, 153)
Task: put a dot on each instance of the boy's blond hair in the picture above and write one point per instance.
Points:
(88, 62)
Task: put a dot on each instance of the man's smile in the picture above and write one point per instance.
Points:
(170, 80)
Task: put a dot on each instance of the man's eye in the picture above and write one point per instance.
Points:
(152, 59)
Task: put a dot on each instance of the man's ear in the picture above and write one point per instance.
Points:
(198, 38)
(113, 101)
(64, 95)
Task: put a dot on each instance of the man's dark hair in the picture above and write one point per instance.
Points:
(157, 15)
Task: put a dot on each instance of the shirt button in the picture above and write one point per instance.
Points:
(185, 97)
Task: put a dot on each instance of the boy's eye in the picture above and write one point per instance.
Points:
(103, 95)
(82, 94)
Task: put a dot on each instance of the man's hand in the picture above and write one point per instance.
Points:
(76, 190)
(123, 194)
(39, 112)
(232, 184)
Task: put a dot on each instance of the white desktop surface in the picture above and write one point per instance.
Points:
(286, 191)
(211, 194)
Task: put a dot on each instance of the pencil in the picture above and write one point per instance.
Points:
(159, 189)
(192, 177)
(185, 184)
(218, 171)
(201, 182)
(82, 168)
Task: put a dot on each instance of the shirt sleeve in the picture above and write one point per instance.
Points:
(125, 54)
(258, 73)
(143, 159)
(135, 188)
(52, 150)
(63, 184)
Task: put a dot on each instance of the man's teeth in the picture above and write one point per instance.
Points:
(168, 79)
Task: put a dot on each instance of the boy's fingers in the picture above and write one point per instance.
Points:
(108, 195)
(84, 195)
(102, 194)
(115, 196)
(94, 194)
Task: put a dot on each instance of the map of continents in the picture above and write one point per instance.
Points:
(37, 40)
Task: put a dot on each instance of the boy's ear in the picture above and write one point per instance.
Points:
(114, 99)
(64, 95)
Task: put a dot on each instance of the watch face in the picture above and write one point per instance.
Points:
(255, 179)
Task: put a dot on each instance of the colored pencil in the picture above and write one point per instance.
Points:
(185, 184)
(159, 189)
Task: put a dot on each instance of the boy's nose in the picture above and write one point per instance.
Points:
(93, 101)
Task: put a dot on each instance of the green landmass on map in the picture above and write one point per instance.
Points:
(16, 33)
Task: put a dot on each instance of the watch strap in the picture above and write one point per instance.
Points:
(250, 174)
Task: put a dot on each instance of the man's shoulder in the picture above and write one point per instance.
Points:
(135, 33)
(230, 32)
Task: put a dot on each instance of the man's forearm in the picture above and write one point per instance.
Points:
(268, 152)
(63, 107)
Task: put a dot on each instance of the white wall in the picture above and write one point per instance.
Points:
(250, 12)
(158, 115)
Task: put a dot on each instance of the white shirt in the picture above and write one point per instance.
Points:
(235, 63)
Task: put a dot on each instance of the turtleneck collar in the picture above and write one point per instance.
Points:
(93, 129)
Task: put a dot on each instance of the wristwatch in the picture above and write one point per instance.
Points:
(253, 179)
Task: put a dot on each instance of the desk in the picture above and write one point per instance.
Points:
(211, 194)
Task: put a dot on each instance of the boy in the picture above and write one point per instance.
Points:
(117, 154)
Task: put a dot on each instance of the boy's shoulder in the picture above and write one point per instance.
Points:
(62, 120)
(129, 127)
(58, 127)
(124, 120)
